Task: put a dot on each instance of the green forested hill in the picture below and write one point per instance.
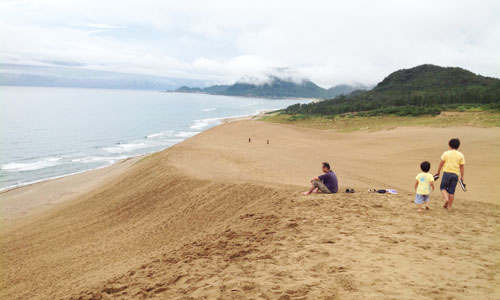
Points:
(425, 89)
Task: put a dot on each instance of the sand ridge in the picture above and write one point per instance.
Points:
(216, 217)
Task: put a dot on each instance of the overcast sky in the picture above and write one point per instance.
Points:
(329, 42)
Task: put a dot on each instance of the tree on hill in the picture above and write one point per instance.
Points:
(425, 89)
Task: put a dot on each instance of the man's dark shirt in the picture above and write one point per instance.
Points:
(330, 181)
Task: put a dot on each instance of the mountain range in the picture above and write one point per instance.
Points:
(275, 87)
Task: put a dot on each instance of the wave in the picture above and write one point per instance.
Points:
(94, 159)
(186, 134)
(154, 135)
(37, 165)
(20, 184)
(208, 109)
(203, 123)
(122, 148)
(171, 133)
(166, 133)
(200, 124)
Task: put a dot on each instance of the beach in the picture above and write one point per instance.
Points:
(36, 148)
(219, 217)
(18, 204)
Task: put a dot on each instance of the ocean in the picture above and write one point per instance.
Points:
(49, 132)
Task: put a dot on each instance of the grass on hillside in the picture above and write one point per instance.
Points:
(352, 122)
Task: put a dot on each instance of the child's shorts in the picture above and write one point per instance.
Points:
(420, 199)
(449, 182)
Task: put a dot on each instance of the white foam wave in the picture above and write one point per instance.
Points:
(31, 166)
(208, 109)
(186, 134)
(20, 184)
(200, 124)
(93, 159)
(153, 135)
(122, 148)
(170, 133)
(166, 133)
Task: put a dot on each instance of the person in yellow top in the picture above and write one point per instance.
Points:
(452, 163)
(423, 185)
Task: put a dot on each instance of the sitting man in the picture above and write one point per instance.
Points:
(326, 183)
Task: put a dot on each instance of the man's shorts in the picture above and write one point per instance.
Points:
(449, 182)
(321, 186)
(420, 199)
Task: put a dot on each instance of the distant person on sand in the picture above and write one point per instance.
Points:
(423, 186)
(452, 163)
(326, 183)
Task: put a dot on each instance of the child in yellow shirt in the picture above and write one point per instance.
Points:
(423, 186)
(452, 163)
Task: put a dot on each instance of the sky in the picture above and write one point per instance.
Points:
(328, 42)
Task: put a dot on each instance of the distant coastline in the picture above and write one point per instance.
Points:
(312, 99)
(275, 88)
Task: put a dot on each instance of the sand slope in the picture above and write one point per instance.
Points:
(217, 217)
(25, 203)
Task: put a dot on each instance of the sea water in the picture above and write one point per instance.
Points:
(50, 132)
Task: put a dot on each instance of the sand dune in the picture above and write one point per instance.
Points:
(23, 204)
(218, 217)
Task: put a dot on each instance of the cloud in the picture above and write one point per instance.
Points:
(329, 42)
(104, 26)
(98, 26)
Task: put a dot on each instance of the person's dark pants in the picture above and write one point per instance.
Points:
(449, 182)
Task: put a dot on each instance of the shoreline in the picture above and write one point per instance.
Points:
(221, 120)
(25, 184)
(12, 214)
(19, 204)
